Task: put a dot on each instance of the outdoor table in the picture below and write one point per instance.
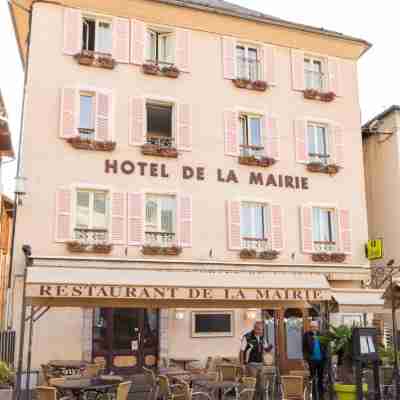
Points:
(78, 387)
(68, 367)
(213, 387)
(174, 373)
(184, 361)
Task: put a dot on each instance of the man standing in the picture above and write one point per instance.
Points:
(252, 349)
(314, 352)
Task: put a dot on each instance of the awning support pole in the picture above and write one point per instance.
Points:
(327, 322)
(28, 366)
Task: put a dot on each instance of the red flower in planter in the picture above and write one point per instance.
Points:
(259, 85)
(170, 71)
(151, 68)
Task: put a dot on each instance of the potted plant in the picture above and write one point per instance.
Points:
(149, 250)
(170, 71)
(259, 85)
(75, 246)
(340, 341)
(327, 96)
(321, 257)
(241, 83)
(247, 253)
(103, 248)
(315, 166)
(85, 57)
(172, 250)
(310, 94)
(332, 169)
(6, 381)
(338, 257)
(106, 61)
(151, 68)
(269, 255)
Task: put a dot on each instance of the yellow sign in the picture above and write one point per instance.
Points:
(375, 249)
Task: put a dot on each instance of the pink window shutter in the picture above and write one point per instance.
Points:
(182, 49)
(185, 213)
(72, 31)
(272, 139)
(231, 133)
(184, 127)
(138, 42)
(121, 40)
(63, 228)
(234, 237)
(338, 138)
(68, 113)
(103, 116)
(137, 123)
(307, 229)
(228, 54)
(334, 76)
(118, 218)
(269, 64)
(300, 133)
(135, 219)
(345, 231)
(276, 227)
(298, 81)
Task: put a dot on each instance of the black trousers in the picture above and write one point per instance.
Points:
(317, 376)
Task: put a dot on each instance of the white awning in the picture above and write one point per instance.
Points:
(359, 300)
(172, 286)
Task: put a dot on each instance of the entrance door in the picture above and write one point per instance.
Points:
(126, 339)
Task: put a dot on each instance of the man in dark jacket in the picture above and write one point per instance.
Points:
(314, 352)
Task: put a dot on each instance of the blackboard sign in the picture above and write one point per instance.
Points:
(212, 324)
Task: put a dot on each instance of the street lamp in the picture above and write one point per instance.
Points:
(20, 189)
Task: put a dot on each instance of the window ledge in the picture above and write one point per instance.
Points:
(312, 94)
(259, 86)
(329, 257)
(151, 250)
(256, 162)
(94, 145)
(317, 167)
(167, 71)
(75, 246)
(93, 59)
(159, 151)
(248, 254)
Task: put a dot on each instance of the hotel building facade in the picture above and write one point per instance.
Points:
(191, 166)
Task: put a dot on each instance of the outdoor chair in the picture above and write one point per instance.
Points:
(386, 379)
(229, 372)
(200, 370)
(247, 388)
(91, 371)
(123, 390)
(49, 393)
(178, 391)
(150, 380)
(293, 387)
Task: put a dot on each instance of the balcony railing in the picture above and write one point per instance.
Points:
(258, 244)
(248, 69)
(247, 150)
(160, 239)
(91, 236)
(161, 142)
(324, 246)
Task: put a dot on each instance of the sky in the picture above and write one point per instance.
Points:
(376, 22)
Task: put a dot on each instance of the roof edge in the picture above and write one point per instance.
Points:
(366, 127)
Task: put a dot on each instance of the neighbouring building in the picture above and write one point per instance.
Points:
(191, 166)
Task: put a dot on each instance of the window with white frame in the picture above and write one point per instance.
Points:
(318, 146)
(160, 219)
(324, 229)
(314, 74)
(160, 123)
(255, 225)
(160, 46)
(87, 114)
(250, 135)
(91, 215)
(97, 35)
(248, 62)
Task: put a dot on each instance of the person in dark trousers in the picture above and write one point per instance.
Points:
(314, 352)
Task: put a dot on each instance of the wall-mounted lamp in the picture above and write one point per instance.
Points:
(179, 314)
(20, 190)
(251, 314)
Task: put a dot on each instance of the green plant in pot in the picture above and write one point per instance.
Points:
(340, 341)
(6, 381)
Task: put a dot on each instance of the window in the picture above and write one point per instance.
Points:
(250, 135)
(97, 35)
(324, 229)
(159, 124)
(255, 225)
(87, 113)
(210, 323)
(314, 77)
(318, 143)
(160, 47)
(248, 63)
(160, 219)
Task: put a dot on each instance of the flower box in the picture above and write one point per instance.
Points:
(172, 251)
(85, 57)
(330, 169)
(269, 255)
(247, 254)
(170, 71)
(242, 83)
(74, 246)
(329, 257)
(106, 62)
(315, 167)
(149, 250)
(258, 85)
(158, 151)
(312, 94)
(151, 69)
(94, 145)
(261, 86)
(256, 162)
(338, 257)
(102, 248)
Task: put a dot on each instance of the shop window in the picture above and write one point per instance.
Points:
(97, 35)
(160, 220)
(255, 225)
(159, 124)
(160, 48)
(294, 327)
(314, 74)
(212, 324)
(248, 63)
(91, 224)
(324, 229)
(318, 143)
(251, 135)
(87, 115)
